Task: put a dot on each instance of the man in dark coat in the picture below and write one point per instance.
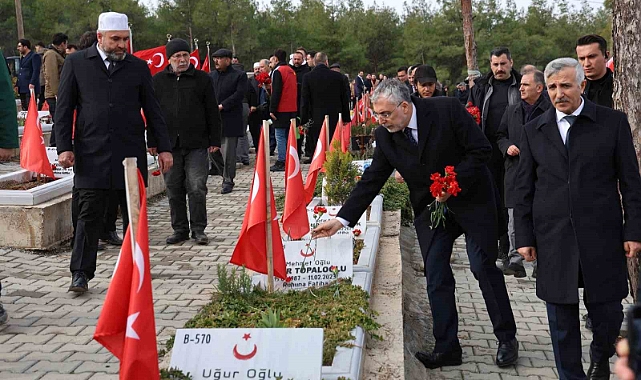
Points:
(107, 88)
(578, 211)
(592, 52)
(359, 86)
(324, 93)
(8, 131)
(29, 74)
(532, 105)
(189, 105)
(492, 94)
(301, 70)
(423, 136)
(230, 86)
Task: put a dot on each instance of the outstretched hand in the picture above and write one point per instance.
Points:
(327, 229)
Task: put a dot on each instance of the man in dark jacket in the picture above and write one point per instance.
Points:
(29, 74)
(492, 94)
(8, 130)
(592, 52)
(187, 99)
(533, 104)
(283, 105)
(230, 86)
(422, 136)
(300, 70)
(107, 88)
(324, 93)
(578, 211)
(462, 93)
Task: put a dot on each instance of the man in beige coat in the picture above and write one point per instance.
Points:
(53, 59)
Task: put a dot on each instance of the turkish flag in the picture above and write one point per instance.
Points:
(341, 135)
(205, 66)
(317, 164)
(33, 154)
(156, 58)
(126, 325)
(250, 249)
(194, 58)
(295, 221)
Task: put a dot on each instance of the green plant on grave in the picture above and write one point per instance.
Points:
(396, 196)
(174, 374)
(232, 284)
(318, 189)
(271, 320)
(279, 201)
(359, 244)
(341, 175)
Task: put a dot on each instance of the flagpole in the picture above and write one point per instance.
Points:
(131, 40)
(208, 61)
(268, 225)
(133, 196)
(327, 137)
(339, 125)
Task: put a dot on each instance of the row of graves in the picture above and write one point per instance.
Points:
(303, 312)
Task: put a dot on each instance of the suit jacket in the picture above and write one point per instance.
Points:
(230, 87)
(447, 135)
(509, 134)
(109, 125)
(359, 86)
(324, 93)
(29, 72)
(568, 204)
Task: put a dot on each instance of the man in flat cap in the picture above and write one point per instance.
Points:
(230, 86)
(107, 88)
(189, 106)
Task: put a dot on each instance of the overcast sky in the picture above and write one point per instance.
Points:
(398, 4)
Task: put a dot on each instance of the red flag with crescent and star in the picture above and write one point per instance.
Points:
(295, 221)
(250, 249)
(156, 58)
(194, 58)
(317, 164)
(126, 325)
(206, 66)
(33, 154)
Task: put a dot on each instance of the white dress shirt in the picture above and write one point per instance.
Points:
(564, 125)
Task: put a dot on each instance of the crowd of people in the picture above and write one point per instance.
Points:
(542, 172)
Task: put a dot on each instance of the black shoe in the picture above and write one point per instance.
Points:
(111, 237)
(279, 166)
(433, 360)
(271, 153)
(101, 247)
(599, 370)
(226, 189)
(588, 322)
(307, 161)
(514, 269)
(79, 283)
(200, 237)
(246, 163)
(177, 237)
(501, 264)
(3, 315)
(508, 353)
(534, 272)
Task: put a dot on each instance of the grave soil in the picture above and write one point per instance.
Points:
(15, 185)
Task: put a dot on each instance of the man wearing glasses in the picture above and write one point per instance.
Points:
(421, 137)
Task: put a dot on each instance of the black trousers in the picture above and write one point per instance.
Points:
(116, 198)
(89, 214)
(441, 285)
(41, 98)
(565, 330)
(25, 98)
(311, 139)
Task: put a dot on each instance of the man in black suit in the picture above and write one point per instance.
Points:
(420, 137)
(578, 211)
(359, 86)
(29, 74)
(107, 88)
(324, 93)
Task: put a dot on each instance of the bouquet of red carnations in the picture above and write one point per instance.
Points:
(474, 111)
(442, 184)
(263, 78)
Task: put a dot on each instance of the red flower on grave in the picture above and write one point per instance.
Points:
(288, 279)
(156, 173)
(357, 232)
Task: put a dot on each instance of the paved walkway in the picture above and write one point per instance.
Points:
(49, 334)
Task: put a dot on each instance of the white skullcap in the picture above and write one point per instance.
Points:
(113, 21)
(256, 65)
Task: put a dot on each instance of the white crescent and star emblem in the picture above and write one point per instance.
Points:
(162, 59)
(139, 261)
(255, 186)
(131, 333)
(149, 62)
(194, 60)
(319, 147)
(294, 155)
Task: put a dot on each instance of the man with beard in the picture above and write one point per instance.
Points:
(107, 88)
(52, 62)
(300, 70)
(492, 94)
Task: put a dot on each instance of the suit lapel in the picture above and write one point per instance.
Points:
(424, 122)
(92, 53)
(121, 64)
(547, 124)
